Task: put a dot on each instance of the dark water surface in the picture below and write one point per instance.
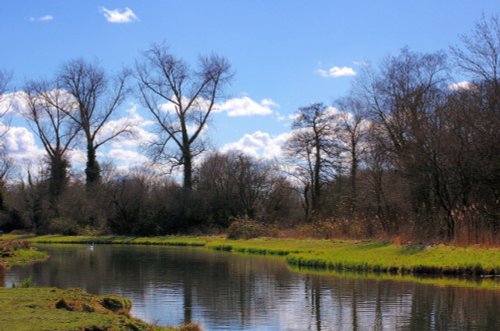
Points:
(224, 291)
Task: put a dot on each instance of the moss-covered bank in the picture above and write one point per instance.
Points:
(71, 309)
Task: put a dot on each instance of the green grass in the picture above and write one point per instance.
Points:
(18, 252)
(72, 309)
(333, 255)
(24, 256)
(372, 256)
(488, 283)
(167, 240)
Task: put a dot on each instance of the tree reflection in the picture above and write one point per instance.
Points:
(175, 285)
(3, 272)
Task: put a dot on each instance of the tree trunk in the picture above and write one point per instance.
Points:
(188, 170)
(354, 171)
(58, 175)
(92, 171)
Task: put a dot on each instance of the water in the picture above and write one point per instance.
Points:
(224, 291)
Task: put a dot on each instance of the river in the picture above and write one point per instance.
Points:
(224, 291)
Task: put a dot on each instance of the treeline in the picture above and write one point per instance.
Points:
(409, 152)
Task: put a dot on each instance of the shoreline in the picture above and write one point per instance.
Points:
(25, 307)
(338, 256)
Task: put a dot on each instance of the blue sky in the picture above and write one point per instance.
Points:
(278, 49)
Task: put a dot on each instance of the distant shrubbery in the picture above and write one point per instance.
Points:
(245, 228)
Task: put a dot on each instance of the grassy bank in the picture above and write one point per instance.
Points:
(348, 255)
(334, 255)
(123, 240)
(55, 309)
(16, 252)
(71, 309)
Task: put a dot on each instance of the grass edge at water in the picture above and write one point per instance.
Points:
(335, 255)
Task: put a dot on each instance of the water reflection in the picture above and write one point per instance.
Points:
(229, 292)
(2, 275)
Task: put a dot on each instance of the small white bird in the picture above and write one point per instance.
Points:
(91, 246)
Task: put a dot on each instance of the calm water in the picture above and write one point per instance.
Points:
(223, 291)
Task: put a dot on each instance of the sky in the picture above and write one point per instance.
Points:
(285, 54)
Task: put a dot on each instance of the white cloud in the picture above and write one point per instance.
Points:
(246, 106)
(19, 144)
(119, 16)
(77, 158)
(463, 85)
(136, 124)
(13, 103)
(337, 72)
(361, 63)
(127, 158)
(259, 144)
(45, 18)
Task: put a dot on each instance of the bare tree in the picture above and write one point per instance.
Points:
(6, 163)
(180, 100)
(5, 103)
(47, 115)
(480, 55)
(403, 100)
(314, 152)
(96, 99)
(352, 133)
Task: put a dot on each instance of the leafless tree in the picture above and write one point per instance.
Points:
(403, 99)
(5, 103)
(96, 99)
(314, 152)
(6, 163)
(480, 54)
(352, 132)
(180, 100)
(47, 114)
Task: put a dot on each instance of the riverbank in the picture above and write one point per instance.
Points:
(70, 309)
(17, 252)
(339, 255)
(33, 308)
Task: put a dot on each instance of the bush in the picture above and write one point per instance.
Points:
(64, 226)
(7, 247)
(330, 228)
(244, 228)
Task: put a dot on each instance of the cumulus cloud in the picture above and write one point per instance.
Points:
(45, 18)
(261, 145)
(137, 126)
(13, 103)
(19, 143)
(127, 158)
(463, 85)
(337, 72)
(246, 106)
(118, 15)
